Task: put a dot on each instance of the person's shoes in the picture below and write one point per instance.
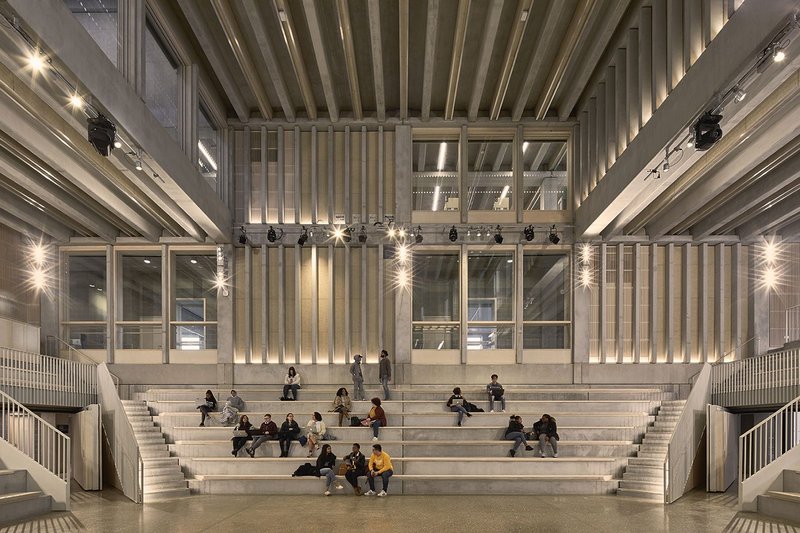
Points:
(528, 448)
(511, 453)
(339, 486)
(541, 454)
(469, 415)
(327, 493)
(202, 424)
(311, 454)
(374, 438)
(250, 452)
(502, 410)
(357, 490)
(458, 424)
(491, 410)
(382, 493)
(283, 398)
(234, 452)
(369, 493)
(555, 455)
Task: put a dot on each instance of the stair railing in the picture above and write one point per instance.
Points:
(792, 326)
(768, 379)
(29, 443)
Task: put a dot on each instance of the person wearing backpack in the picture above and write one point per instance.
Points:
(358, 378)
(496, 393)
(289, 431)
(456, 403)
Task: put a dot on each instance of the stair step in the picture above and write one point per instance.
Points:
(642, 494)
(156, 485)
(780, 504)
(645, 477)
(19, 506)
(166, 494)
(787, 496)
(653, 486)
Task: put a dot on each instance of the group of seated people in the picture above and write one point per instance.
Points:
(356, 465)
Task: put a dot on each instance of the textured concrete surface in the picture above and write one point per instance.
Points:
(110, 511)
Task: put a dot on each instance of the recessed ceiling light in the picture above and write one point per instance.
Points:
(193, 261)
(146, 261)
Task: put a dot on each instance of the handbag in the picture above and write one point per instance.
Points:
(342, 469)
(355, 421)
(302, 440)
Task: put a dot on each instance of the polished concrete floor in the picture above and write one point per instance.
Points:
(110, 511)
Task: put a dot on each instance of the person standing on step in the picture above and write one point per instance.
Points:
(239, 439)
(376, 418)
(496, 393)
(546, 431)
(289, 431)
(457, 403)
(326, 463)
(291, 383)
(358, 378)
(208, 405)
(385, 373)
(356, 465)
(516, 432)
(380, 465)
(267, 431)
(342, 405)
(315, 429)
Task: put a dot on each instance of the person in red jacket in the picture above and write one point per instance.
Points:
(267, 431)
(376, 418)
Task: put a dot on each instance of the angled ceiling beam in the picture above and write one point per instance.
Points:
(234, 35)
(510, 58)
(35, 217)
(403, 34)
(539, 156)
(771, 216)
(480, 157)
(373, 7)
(501, 155)
(423, 154)
(459, 37)
(312, 18)
(299, 66)
(547, 36)
(790, 232)
(430, 54)
(585, 70)
(484, 56)
(346, 33)
(577, 25)
(557, 157)
(268, 54)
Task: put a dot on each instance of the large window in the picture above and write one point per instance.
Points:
(546, 298)
(99, 19)
(436, 296)
(86, 309)
(139, 323)
(435, 185)
(490, 175)
(162, 82)
(490, 306)
(544, 175)
(208, 147)
(194, 311)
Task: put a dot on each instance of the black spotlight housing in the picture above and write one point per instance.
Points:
(347, 234)
(242, 235)
(553, 237)
(303, 237)
(102, 134)
(418, 235)
(528, 233)
(453, 235)
(498, 236)
(707, 131)
(272, 236)
(362, 236)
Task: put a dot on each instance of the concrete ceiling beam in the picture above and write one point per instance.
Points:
(521, 17)
(431, 28)
(459, 38)
(490, 27)
(323, 66)
(374, 13)
(346, 34)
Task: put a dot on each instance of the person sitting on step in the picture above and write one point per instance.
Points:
(208, 405)
(380, 465)
(315, 432)
(546, 431)
(228, 415)
(376, 418)
(326, 462)
(342, 405)
(289, 431)
(457, 403)
(355, 462)
(290, 383)
(236, 401)
(267, 431)
(240, 439)
(496, 392)
(516, 432)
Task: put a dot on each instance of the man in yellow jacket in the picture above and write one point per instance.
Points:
(380, 464)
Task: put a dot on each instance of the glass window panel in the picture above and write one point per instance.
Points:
(87, 298)
(195, 294)
(490, 287)
(545, 287)
(544, 175)
(207, 147)
(546, 337)
(490, 175)
(436, 336)
(187, 337)
(99, 19)
(436, 288)
(86, 337)
(435, 181)
(136, 337)
(161, 82)
(141, 287)
(500, 337)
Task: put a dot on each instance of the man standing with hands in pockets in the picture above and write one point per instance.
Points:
(358, 378)
(385, 373)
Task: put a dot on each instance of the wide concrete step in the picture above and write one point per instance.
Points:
(647, 462)
(154, 452)
(645, 477)
(163, 475)
(641, 494)
(13, 481)
(411, 484)
(445, 448)
(155, 462)
(425, 406)
(638, 470)
(791, 481)
(18, 506)
(652, 455)
(780, 504)
(155, 484)
(159, 495)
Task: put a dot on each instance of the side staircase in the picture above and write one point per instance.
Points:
(163, 477)
(20, 499)
(644, 474)
(784, 503)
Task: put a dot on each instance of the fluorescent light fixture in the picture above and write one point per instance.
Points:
(504, 193)
(525, 146)
(436, 191)
(207, 155)
(442, 154)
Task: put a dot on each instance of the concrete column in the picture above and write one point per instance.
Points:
(298, 302)
(591, 145)
(583, 172)
(653, 303)
(281, 177)
(659, 52)
(633, 97)
(189, 105)
(167, 274)
(331, 307)
(298, 181)
(719, 303)
(247, 188)
(381, 140)
(314, 304)
(620, 104)
(736, 300)
(600, 135)
(348, 213)
(48, 318)
(702, 282)
(636, 305)
(331, 202)
(348, 312)
(759, 306)
(675, 43)
(692, 32)
(581, 314)
(364, 180)
(518, 182)
(463, 170)
(113, 294)
(669, 299)
(225, 328)
(314, 177)
(519, 308)
(281, 303)
(611, 116)
(646, 64)
(264, 304)
(464, 273)
(620, 303)
(130, 32)
(262, 201)
(601, 285)
(248, 303)
(402, 176)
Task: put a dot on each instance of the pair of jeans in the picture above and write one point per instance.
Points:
(460, 410)
(384, 476)
(352, 477)
(285, 441)
(376, 426)
(501, 399)
(293, 388)
(238, 444)
(204, 410)
(260, 440)
(385, 383)
(518, 437)
(330, 476)
(358, 389)
(553, 442)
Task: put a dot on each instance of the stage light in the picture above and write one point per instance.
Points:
(586, 253)
(739, 95)
(76, 101)
(102, 134)
(303, 237)
(347, 234)
(403, 254)
(442, 155)
(36, 61)
(38, 278)
(778, 55)
(770, 251)
(242, 235)
(769, 278)
(362, 236)
(528, 232)
(585, 277)
(707, 131)
(553, 237)
(138, 164)
(418, 235)
(146, 261)
(453, 235)
(117, 144)
(38, 254)
(272, 236)
(391, 232)
(498, 236)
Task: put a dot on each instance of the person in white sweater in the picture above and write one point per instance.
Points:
(236, 401)
(315, 432)
(290, 384)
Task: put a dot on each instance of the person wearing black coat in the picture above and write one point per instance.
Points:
(326, 466)
(239, 442)
(516, 432)
(209, 406)
(546, 431)
(356, 466)
(289, 431)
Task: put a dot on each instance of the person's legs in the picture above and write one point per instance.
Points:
(542, 442)
(385, 477)
(351, 478)
(385, 383)
(256, 443)
(341, 417)
(294, 391)
(329, 476)
(283, 441)
(203, 414)
(554, 444)
(491, 402)
(517, 437)
(286, 392)
(371, 481)
(376, 426)
(460, 410)
(503, 403)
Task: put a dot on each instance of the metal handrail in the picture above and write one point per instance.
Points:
(769, 440)
(83, 356)
(768, 379)
(722, 360)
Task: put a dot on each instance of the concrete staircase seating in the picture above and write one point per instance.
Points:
(18, 498)
(783, 502)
